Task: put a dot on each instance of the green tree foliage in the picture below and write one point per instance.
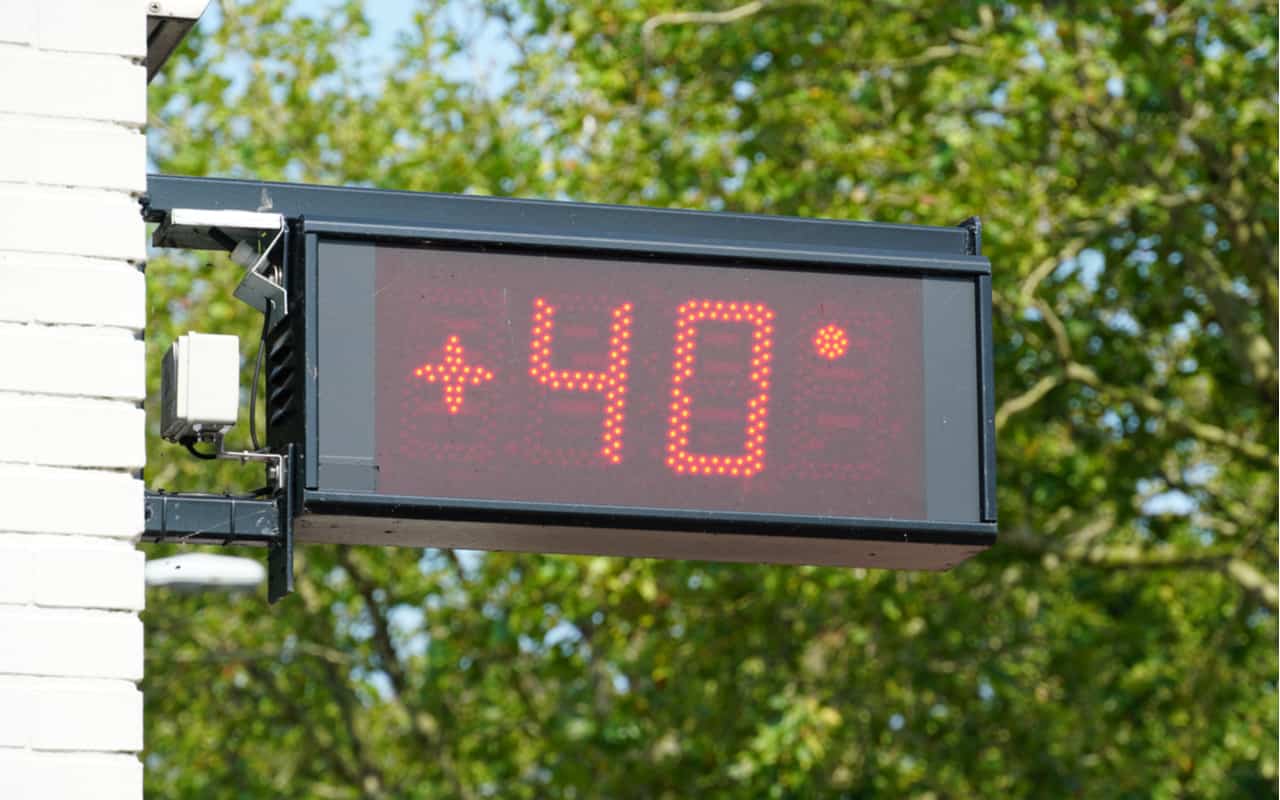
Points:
(1119, 642)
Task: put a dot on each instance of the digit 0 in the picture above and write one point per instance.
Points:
(751, 460)
(612, 383)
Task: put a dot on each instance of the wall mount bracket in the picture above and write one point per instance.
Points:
(250, 237)
(223, 519)
(233, 520)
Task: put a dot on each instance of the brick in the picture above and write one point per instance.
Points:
(71, 571)
(19, 21)
(92, 26)
(92, 362)
(56, 431)
(45, 500)
(97, 715)
(72, 153)
(102, 576)
(26, 775)
(19, 706)
(38, 287)
(70, 643)
(17, 572)
(70, 714)
(76, 85)
(71, 221)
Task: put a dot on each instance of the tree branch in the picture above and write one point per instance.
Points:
(1029, 297)
(1016, 405)
(390, 662)
(938, 52)
(1201, 430)
(1134, 557)
(727, 17)
(265, 677)
(372, 783)
(699, 18)
(1253, 581)
(388, 658)
(212, 655)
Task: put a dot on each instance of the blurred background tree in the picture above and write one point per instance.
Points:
(1121, 640)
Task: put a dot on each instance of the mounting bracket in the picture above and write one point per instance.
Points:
(231, 520)
(251, 237)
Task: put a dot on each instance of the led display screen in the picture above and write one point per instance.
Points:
(556, 377)
(616, 383)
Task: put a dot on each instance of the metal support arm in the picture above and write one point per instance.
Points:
(229, 520)
(210, 519)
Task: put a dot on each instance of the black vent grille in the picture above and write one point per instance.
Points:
(282, 384)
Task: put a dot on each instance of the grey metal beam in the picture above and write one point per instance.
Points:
(499, 219)
(210, 519)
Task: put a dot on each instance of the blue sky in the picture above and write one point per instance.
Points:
(390, 18)
(488, 63)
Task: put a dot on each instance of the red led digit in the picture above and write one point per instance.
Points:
(831, 342)
(751, 460)
(612, 383)
(455, 373)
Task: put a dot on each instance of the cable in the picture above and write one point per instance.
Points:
(191, 448)
(257, 370)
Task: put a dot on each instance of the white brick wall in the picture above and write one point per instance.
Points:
(77, 26)
(71, 290)
(71, 220)
(57, 709)
(67, 431)
(70, 571)
(72, 377)
(36, 500)
(76, 362)
(70, 642)
(33, 775)
(73, 153)
(74, 85)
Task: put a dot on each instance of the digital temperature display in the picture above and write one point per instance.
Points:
(470, 394)
(621, 383)
(508, 374)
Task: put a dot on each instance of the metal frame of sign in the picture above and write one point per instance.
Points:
(314, 214)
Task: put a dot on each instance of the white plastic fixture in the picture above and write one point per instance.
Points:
(195, 572)
(200, 386)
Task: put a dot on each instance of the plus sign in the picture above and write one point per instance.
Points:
(455, 373)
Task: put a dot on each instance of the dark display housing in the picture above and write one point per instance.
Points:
(557, 377)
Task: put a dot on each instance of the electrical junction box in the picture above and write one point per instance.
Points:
(200, 390)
